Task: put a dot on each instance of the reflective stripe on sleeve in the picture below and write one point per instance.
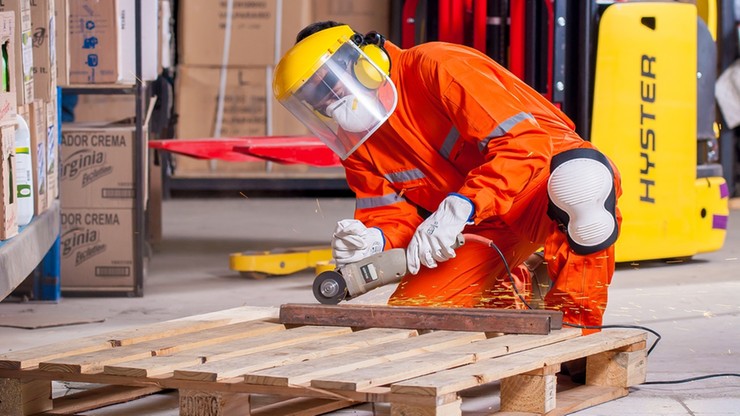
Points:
(404, 176)
(503, 128)
(449, 143)
(377, 201)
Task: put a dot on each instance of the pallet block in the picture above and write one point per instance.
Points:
(222, 363)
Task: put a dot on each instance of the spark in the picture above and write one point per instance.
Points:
(708, 314)
(244, 195)
(318, 208)
(731, 259)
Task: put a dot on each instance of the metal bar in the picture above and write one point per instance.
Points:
(140, 180)
(255, 184)
(510, 321)
(585, 65)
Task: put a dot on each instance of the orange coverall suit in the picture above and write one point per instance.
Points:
(465, 124)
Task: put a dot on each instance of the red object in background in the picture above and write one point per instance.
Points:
(517, 37)
(306, 150)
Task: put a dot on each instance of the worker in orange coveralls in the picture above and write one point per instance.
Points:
(439, 140)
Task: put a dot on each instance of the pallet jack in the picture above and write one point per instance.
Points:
(281, 149)
(280, 262)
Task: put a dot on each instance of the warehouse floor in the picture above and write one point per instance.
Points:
(694, 305)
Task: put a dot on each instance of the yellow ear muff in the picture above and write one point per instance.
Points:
(369, 75)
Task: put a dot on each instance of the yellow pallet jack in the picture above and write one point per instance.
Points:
(281, 261)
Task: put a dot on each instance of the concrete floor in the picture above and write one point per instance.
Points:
(694, 305)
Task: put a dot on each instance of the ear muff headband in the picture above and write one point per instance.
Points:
(365, 72)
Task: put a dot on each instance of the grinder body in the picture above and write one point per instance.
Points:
(354, 279)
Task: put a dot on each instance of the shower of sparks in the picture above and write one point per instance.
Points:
(318, 208)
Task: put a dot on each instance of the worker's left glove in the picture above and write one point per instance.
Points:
(435, 239)
(353, 242)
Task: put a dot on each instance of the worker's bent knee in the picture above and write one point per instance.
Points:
(583, 200)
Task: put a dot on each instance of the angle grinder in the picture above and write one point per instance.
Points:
(354, 279)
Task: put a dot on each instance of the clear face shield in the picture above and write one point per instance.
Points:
(345, 100)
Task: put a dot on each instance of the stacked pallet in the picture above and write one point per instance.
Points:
(219, 362)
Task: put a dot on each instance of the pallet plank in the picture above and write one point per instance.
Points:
(344, 340)
(98, 397)
(302, 373)
(164, 365)
(301, 407)
(390, 372)
(30, 358)
(490, 370)
(454, 319)
(94, 362)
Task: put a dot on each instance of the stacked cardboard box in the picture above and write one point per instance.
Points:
(224, 79)
(98, 207)
(21, 10)
(8, 111)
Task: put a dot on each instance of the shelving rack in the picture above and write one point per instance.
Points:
(138, 89)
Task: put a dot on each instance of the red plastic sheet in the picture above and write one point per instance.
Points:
(306, 150)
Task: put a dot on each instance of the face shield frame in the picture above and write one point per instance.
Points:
(358, 110)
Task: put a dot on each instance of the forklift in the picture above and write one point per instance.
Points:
(637, 78)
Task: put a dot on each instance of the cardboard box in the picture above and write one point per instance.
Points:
(102, 41)
(8, 207)
(23, 48)
(254, 33)
(61, 46)
(97, 168)
(8, 99)
(126, 57)
(37, 124)
(43, 23)
(97, 248)
(362, 15)
(92, 38)
(94, 108)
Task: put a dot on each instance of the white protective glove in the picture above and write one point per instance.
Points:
(435, 238)
(353, 242)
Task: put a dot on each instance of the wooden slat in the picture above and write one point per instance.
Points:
(583, 397)
(301, 407)
(157, 366)
(94, 362)
(390, 372)
(510, 321)
(302, 373)
(30, 358)
(427, 361)
(487, 371)
(341, 342)
(98, 397)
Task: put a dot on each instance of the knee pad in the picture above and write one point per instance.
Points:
(583, 200)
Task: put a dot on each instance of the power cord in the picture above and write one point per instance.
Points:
(490, 243)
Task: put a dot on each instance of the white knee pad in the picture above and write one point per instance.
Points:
(582, 199)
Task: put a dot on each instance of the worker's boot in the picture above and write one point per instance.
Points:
(540, 279)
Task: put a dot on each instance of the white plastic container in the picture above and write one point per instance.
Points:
(23, 172)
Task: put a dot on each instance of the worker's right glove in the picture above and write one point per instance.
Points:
(435, 239)
(353, 242)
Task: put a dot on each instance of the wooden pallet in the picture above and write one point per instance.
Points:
(218, 361)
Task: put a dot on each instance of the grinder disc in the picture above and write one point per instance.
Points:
(329, 288)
